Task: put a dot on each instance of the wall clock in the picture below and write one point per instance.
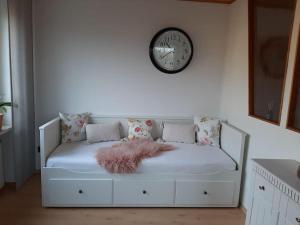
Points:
(171, 50)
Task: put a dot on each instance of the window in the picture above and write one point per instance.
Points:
(270, 26)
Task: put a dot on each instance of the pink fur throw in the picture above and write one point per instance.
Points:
(125, 157)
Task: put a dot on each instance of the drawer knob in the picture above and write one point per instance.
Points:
(80, 191)
(262, 188)
(144, 192)
(205, 192)
(298, 220)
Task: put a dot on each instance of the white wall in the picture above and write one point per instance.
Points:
(93, 56)
(266, 140)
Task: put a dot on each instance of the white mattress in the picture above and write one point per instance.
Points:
(186, 158)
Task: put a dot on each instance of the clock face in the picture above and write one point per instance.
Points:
(171, 50)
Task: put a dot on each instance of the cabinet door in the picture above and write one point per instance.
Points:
(293, 213)
(285, 221)
(262, 213)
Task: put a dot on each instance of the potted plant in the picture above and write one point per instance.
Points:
(3, 110)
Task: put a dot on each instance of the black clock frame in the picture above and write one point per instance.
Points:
(152, 47)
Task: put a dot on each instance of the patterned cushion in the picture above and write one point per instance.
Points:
(73, 127)
(208, 131)
(139, 129)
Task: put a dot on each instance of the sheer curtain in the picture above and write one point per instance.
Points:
(21, 53)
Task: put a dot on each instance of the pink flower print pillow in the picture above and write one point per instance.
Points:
(73, 127)
(208, 132)
(138, 129)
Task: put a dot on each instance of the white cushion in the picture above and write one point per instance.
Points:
(103, 132)
(176, 132)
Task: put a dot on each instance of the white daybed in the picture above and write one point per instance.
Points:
(189, 176)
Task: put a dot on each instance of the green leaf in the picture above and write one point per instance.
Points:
(3, 106)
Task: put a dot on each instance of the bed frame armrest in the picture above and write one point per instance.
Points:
(49, 138)
(233, 143)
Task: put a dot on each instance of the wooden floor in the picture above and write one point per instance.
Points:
(23, 207)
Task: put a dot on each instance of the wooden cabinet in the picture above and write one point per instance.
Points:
(275, 193)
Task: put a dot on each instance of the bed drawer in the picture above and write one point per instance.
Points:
(79, 192)
(144, 192)
(189, 192)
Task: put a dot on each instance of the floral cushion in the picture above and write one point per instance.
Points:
(208, 131)
(73, 127)
(139, 129)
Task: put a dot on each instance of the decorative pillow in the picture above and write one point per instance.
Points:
(207, 118)
(208, 131)
(73, 127)
(176, 132)
(102, 132)
(139, 129)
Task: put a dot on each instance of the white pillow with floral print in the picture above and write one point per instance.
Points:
(73, 127)
(208, 131)
(139, 129)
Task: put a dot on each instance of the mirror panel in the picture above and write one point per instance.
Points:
(270, 26)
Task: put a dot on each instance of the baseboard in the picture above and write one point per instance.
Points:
(243, 208)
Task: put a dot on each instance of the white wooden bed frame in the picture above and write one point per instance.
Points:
(66, 188)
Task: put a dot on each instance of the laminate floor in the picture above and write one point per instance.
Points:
(23, 207)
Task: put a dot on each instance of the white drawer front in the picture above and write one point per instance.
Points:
(132, 192)
(293, 213)
(263, 188)
(80, 192)
(204, 192)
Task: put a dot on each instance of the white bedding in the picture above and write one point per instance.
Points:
(186, 158)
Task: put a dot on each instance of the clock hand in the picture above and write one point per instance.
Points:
(167, 54)
(168, 44)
